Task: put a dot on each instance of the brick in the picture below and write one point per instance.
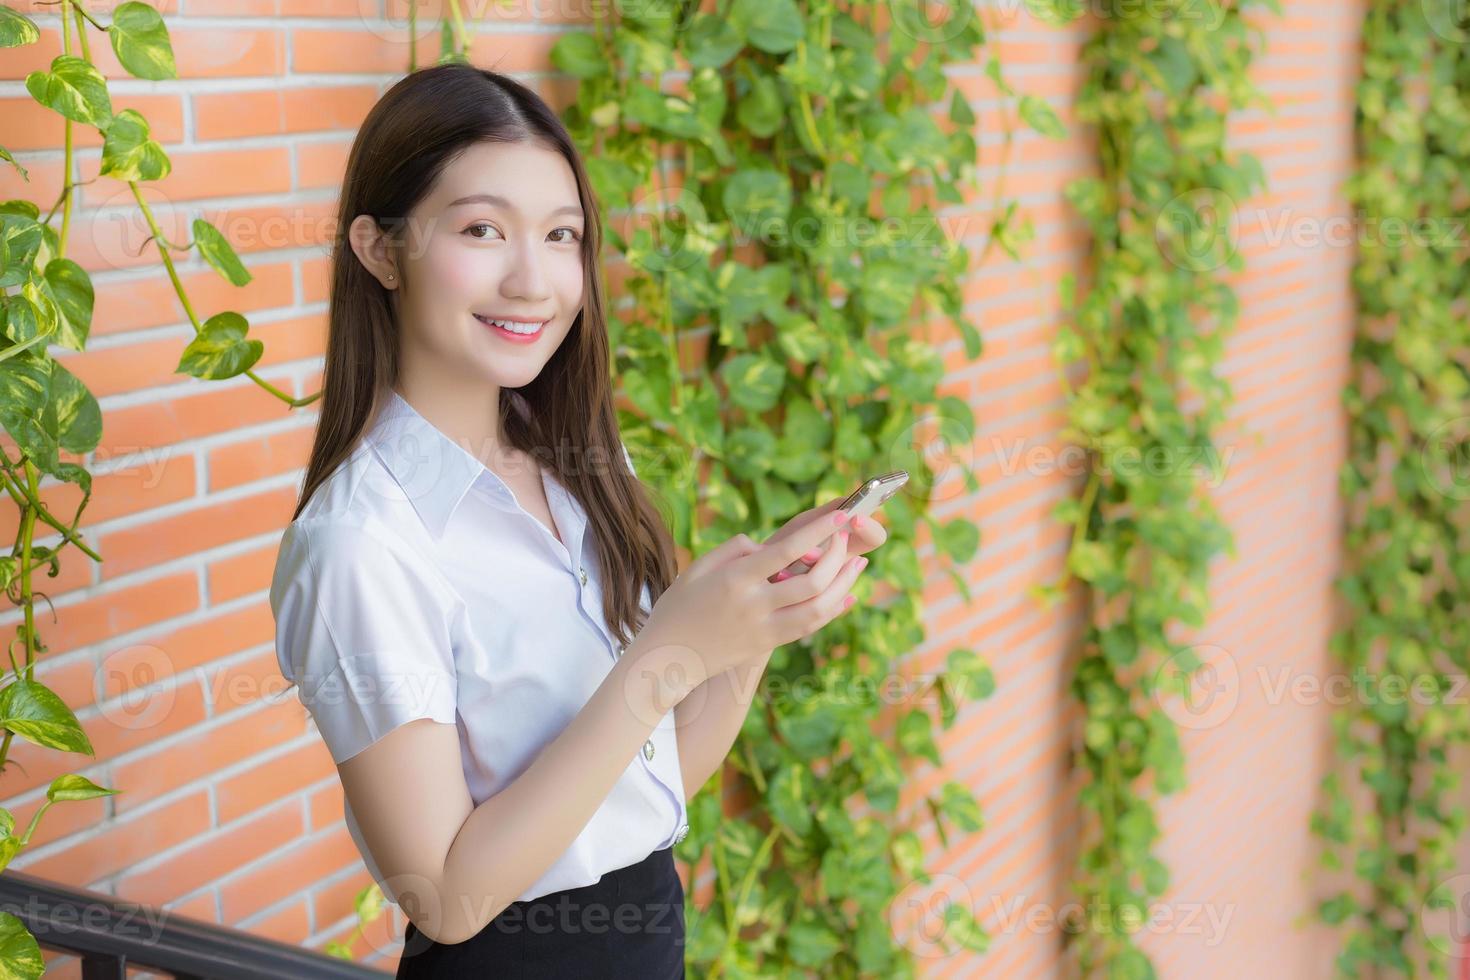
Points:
(170, 538)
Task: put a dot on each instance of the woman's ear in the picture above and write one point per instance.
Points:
(370, 246)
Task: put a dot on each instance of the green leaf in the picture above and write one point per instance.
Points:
(369, 903)
(725, 498)
(25, 383)
(710, 41)
(754, 382)
(960, 112)
(916, 735)
(78, 416)
(668, 113)
(33, 711)
(5, 155)
(221, 349)
(20, 954)
(959, 806)
(959, 539)
(128, 153)
(73, 787)
(16, 30)
(811, 942)
(757, 200)
(217, 251)
(791, 790)
(774, 26)
(579, 55)
(961, 926)
(141, 41)
(1041, 117)
(800, 338)
(807, 430)
(996, 73)
(762, 110)
(73, 88)
(71, 288)
(1174, 63)
(969, 675)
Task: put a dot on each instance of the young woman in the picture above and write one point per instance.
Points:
(476, 597)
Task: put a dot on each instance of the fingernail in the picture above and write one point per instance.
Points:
(856, 523)
(862, 563)
(811, 556)
(782, 575)
(847, 603)
(839, 517)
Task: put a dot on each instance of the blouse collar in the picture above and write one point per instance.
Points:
(434, 471)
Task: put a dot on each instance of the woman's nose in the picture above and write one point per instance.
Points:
(526, 275)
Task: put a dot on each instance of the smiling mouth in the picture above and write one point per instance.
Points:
(519, 331)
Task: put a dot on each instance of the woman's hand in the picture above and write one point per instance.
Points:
(867, 534)
(727, 608)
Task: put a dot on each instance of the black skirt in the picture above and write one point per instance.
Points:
(629, 923)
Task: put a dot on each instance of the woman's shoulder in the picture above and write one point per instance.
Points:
(352, 538)
(360, 518)
(357, 489)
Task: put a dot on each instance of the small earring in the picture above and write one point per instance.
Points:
(390, 275)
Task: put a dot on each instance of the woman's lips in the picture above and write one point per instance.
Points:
(515, 338)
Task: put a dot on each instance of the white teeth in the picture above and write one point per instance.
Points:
(521, 328)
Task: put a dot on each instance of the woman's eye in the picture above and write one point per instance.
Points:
(562, 241)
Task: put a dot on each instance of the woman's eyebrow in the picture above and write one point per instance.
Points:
(500, 202)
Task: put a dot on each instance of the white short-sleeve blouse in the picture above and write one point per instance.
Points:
(414, 585)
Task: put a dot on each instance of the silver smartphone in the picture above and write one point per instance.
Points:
(868, 497)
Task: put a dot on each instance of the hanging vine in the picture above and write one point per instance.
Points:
(783, 215)
(1406, 642)
(1149, 328)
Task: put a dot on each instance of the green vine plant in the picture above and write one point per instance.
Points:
(1406, 638)
(1149, 328)
(777, 167)
(47, 298)
(455, 37)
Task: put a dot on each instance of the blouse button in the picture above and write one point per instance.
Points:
(683, 833)
(582, 572)
(648, 749)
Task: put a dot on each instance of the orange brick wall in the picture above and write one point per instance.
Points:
(231, 808)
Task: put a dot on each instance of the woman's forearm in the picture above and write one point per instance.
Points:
(709, 719)
(510, 839)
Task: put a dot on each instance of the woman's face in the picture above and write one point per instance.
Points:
(499, 237)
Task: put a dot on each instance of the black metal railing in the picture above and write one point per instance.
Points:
(111, 935)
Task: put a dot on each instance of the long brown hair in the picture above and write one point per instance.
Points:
(405, 142)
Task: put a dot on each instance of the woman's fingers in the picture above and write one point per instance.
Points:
(798, 567)
(807, 616)
(775, 556)
(800, 588)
